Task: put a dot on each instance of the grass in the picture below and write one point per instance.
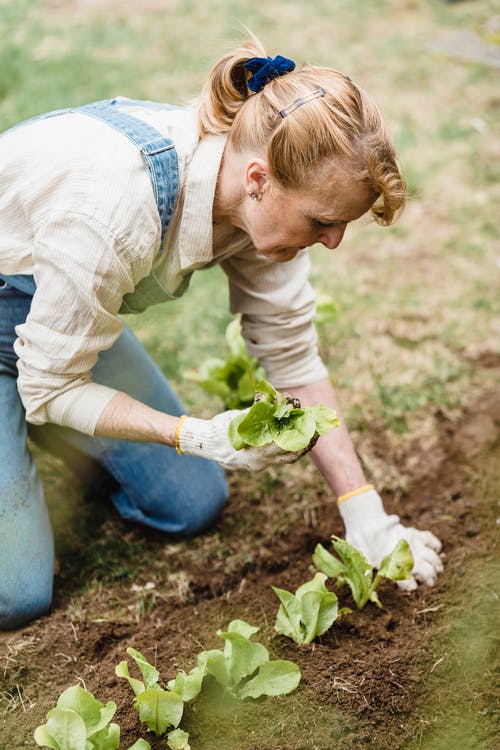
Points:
(418, 302)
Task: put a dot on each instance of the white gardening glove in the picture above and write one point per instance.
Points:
(375, 534)
(208, 438)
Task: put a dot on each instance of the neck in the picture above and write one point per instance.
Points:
(229, 201)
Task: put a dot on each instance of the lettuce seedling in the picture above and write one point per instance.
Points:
(354, 569)
(308, 613)
(178, 740)
(275, 418)
(233, 379)
(79, 722)
(158, 708)
(244, 669)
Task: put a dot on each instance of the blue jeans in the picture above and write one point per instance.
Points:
(155, 486)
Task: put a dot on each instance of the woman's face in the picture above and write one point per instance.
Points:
(283, 222)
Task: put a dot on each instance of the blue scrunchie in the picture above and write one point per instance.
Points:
(264, 69)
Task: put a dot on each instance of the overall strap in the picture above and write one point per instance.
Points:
(161, 158)
(157, 151)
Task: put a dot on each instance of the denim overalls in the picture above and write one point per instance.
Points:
(152, 484)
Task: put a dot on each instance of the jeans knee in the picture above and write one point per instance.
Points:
(203, 506)
(25, 603)
(25, 594)
(184, 507)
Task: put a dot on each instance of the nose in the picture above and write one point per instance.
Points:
(331, 238)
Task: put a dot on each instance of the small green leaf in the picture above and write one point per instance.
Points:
(245, 388)
(327, 563)
(140, 744)
(374, 597)
(398, 564)
(178, 740)
(255, 428)
(277, 677)
(358, 571)
(243, 656)
(188, 686)
(44, 739)
(315, 584)
(324, 417)
(95, 714)
(107, 739)
(121, 670)
(265, 393)
(149, 673)
(234, 436)
(295, 432)
(216, 664)
(235, 340)
(319, 612)
(242, 627)
(67, 728)
(289, 616)
(159, 709)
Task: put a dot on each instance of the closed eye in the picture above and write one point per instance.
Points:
(323, 224)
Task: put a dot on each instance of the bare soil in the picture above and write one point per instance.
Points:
(419, 673)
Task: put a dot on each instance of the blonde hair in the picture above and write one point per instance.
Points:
(344, 124)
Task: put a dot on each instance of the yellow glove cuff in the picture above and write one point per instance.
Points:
(359, 491)
(178, 433)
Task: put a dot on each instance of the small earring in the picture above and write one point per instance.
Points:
(253, 196)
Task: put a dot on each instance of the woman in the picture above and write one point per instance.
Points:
(109, 208)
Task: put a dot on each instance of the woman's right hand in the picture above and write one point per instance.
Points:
(209, 438)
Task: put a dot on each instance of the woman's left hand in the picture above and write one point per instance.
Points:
(375, 533)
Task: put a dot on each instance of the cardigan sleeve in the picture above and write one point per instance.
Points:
(277, 307)
(82, 271)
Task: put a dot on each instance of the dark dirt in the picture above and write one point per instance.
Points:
(418, 673)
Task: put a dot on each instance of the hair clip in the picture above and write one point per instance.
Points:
(302, 100)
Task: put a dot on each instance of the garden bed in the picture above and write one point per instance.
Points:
(416, 673)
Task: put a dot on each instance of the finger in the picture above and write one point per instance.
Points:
(407, 584)
(430, 557)
(424, 573)
(288, 458)
(430, 540)
(281, 455)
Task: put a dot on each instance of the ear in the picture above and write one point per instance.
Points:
(256, 176)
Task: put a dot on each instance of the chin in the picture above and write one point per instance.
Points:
(279, 256)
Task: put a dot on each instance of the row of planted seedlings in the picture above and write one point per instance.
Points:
(243, 668)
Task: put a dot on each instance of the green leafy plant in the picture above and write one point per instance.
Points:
(178, 740)
(308, 613)
(233, 379)
(187, 685)
(327, 309)
(276, 418)
(244, 669)
(79, 722)
(356, 571)
(158, 708)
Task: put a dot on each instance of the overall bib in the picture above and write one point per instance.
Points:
(151, 483)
